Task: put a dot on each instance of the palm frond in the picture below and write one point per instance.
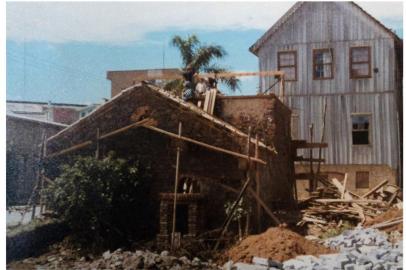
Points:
(205, 54)
(186, 46)
(231, 82)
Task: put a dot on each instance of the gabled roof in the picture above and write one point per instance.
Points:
(167, 99)
(268, 34)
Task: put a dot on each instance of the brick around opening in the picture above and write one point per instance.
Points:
(189, 205)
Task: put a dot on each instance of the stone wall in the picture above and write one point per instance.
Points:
(270, 119)
(211, 168)
(23, 138)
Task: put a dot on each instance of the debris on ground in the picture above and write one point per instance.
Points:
(118, 259)
(334, 205)
(277, 243)
(388, 221)
(361, 248)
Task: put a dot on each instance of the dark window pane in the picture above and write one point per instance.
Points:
(360, 137)
(360, 121)
(360, 129)
(319, 71)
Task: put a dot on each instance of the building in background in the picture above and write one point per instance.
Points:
(122, 79)
(64, 113)
(335, 52)
(23, 139)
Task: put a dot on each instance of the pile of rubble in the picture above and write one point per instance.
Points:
(389, 221)
(277, 243)
(145, 260)
(334, 204)
(357, 249)
(117, 260)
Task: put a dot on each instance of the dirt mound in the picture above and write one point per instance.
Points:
(388, 215)
(276, 243)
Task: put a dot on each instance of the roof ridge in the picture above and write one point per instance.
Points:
(255, 47)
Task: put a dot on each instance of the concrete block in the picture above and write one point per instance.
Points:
(350, 267)
(378, 266)
(267, 262)
(245, 266)
(228, 265)
(295, 264)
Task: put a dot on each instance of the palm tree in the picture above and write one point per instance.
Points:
(197, 58)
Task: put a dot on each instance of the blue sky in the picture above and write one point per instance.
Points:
(60, 52)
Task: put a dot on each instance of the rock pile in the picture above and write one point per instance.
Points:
(366, 249)
(117, 260)
(145, 260)
(359, 249)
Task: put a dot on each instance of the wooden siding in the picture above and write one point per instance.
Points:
(340, 26)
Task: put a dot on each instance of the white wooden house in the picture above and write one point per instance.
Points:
(337, 53)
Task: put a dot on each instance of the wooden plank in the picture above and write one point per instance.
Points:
(176, 188)
(214, 148)
(375, 188)
(71, 149)
(311, 180)
(123, 129)
(387, 224)
(104, 136)
(310, 145)
(237, 201)
(97, 153)
(303, 176)
(364, 201)
(263, 204)
(300, 158)
(344, 185)
(258, 185)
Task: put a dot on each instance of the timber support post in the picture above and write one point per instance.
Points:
(257, 185)
(97, 153)
(176, 187)
(311, 182)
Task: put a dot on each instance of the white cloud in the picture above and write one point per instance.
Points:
(110, 22)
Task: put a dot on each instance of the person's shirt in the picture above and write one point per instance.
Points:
(201, 88)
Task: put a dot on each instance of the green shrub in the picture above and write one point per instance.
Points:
(337, 230)
(101, 200)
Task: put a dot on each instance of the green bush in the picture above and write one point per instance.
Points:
(101, 200)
